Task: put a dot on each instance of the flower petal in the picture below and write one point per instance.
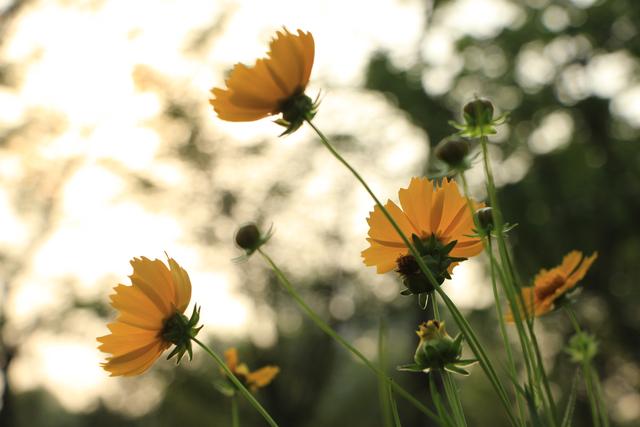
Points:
(570, 262)
(135, 362)
(381, 229)
(416, 203)
(182, 285)
(307, 45)
(286, 63)
(228, 111)
(154, 279)
(254, 88)
(383, 257)
(262, 377)
(231, 358)
(119, 344)
(133, 299)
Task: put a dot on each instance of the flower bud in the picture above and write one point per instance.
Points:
(452, 151)
(248, 237)
(582, 347)
(437, 351)
(485, 218)
(436, 348)
(478, 112)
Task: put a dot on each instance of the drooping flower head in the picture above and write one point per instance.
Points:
(437, 219)
(550, 286)
(254, 380)
(150, 317)
(274, 85)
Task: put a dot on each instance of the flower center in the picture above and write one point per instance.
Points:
(549, 288)
(407, 265)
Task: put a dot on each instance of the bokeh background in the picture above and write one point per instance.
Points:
(109, 150)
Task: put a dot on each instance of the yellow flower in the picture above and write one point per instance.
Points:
(274, 85)
(550, 285)
(148, 308)
(426, 211)
(254, 380)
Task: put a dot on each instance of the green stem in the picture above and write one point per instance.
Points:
(528, 341)
(462, 323)
(592, 382)
(384, 392)
(573, 318)
(284, 281)
(450, 389)
(454, 398)
(243, 390)
(601, 405)
(394, 408)
(489, 251)
(235, 418)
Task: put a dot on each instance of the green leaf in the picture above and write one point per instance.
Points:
(456, 370)
(412, 367)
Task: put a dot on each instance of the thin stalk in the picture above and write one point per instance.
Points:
(394, 408)
(243, 390)
(503, 332)
(488, 249)
(530, 342)
(593, 403)
(286, 284)
(592, 382)
(235, 417)
(463, 324)
(384, 393)
(454, 399)
(450, 388)
(602, 407)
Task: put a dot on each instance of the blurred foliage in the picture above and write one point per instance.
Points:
(584, 195)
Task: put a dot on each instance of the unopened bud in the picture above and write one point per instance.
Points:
(485, 218)
(582, 347)
(452, 151)
(436, 348)
(478, 112)
(248, 237)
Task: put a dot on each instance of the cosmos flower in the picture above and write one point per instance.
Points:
(254, 380)
(549, 286)
(150, 317)
(274, 85)
(437, 216)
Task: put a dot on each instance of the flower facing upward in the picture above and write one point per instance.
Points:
(151, 317)
(254, 380)
(436, 218)
(551, 285)
(274, 85)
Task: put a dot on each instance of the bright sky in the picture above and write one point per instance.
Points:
(76, 63)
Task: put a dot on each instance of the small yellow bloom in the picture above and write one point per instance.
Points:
(138, 335)
(550, 285)
(426, 210)
(274, 85)
(254, 380)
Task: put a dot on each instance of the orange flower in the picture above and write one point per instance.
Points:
(274, 85)
(156, 298)
(254, 380)
(427, 210)
(549, 285)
